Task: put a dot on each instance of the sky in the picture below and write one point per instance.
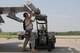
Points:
(63, 15)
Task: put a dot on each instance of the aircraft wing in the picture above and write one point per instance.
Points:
(4, 10)
(11, 11)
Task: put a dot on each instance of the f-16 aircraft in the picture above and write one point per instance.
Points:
(11, 11)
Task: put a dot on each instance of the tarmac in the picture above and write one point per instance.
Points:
(62, 46)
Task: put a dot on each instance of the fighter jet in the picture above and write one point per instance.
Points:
(11, 11)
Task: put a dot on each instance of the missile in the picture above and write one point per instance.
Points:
(31, 6)
(27, 9)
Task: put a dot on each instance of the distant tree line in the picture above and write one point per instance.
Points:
(50, 33)
(9, 33)
(68, 33)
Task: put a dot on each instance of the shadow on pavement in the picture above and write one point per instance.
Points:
(13, 47)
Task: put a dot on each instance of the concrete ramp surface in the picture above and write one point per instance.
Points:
(62, 46)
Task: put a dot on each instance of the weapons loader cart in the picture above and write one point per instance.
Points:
(43, 40)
